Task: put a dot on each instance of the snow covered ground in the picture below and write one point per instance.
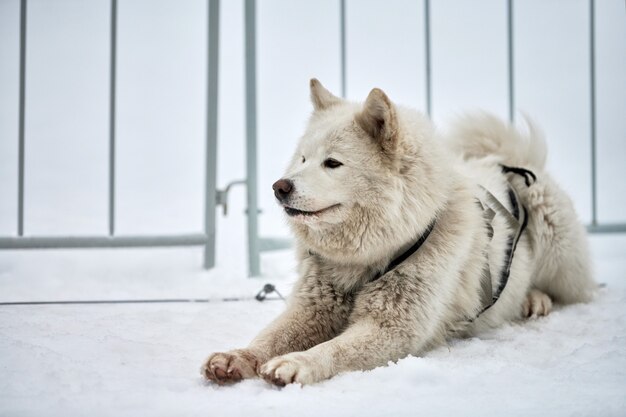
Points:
(143, 359)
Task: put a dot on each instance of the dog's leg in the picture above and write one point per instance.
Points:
(390, 320)
(536, 304)
(565, 266)
(364, 345)
(307, 322)
(295, 330)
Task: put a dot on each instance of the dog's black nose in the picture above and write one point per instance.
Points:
(282, 188)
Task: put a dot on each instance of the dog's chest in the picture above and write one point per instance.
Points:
(345, 278)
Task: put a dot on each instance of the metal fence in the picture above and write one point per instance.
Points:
(256, 243)
(205, 238)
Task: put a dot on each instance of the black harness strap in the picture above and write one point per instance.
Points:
(518, 214)
(522, 172)
(521, 215)
(410, 251)
(510, 249)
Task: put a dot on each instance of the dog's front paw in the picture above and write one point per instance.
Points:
(295, 367)
(229, 367)
(536, 304)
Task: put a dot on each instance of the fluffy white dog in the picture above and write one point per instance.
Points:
(406, 238)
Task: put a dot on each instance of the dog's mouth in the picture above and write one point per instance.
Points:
(295, 212)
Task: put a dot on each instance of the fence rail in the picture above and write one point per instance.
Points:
(74, 242)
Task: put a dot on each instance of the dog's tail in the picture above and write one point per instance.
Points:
(480, 135)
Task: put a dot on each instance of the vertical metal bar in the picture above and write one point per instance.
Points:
(427, 57)
(342, 22)
(112, 80)
(592, 101)
(211, 130)
(511, 63)
(22, 108)
(251, 138)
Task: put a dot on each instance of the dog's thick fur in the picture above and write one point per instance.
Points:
(351, 220)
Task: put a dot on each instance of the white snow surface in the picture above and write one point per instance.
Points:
(144, 359)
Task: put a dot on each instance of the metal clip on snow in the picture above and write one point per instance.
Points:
(265, 291)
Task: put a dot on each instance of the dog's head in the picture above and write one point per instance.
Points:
(355, 171)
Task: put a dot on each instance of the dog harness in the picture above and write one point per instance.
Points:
(410, 251)
(516, 221)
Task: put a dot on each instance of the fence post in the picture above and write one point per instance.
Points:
(592, 110)
(342, 40)
(427, 58)
(22, 108)
(112, 89)
(251, 138)
(510, 60)
(211, 131)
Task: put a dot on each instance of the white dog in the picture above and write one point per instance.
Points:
(406, 238)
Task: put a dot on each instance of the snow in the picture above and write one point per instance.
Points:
(143, 359)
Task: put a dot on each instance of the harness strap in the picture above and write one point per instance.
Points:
(517, 225)
(410, 251)
(516, 220)
(526, 173)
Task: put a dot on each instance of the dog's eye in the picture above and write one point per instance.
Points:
(332, 163)
(303, 159)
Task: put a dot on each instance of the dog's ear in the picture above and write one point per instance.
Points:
(378, 119)
(321, 97)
